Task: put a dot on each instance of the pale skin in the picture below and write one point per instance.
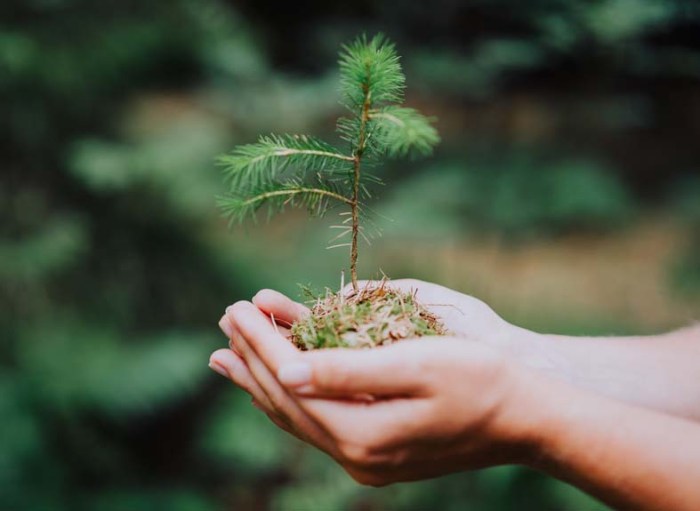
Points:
(617, 417)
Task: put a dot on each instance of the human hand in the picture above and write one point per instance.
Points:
(463, 315)
(427, 407)
(245, 368)
(421, 408)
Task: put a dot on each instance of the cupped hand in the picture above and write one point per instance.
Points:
(411, 410)
(463, 315)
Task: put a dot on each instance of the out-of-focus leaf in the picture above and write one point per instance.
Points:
(91, 367)
(56, 246)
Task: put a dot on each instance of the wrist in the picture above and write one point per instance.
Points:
(533, 350)
(531, 421)
(542, 413)
(515, 424)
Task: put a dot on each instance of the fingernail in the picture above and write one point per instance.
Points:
(295, 374)
(215, 366)
(256, 404)
(225, 326)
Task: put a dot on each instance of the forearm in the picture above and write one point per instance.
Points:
(657, 372)
(627, 456)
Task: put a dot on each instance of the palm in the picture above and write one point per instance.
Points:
(463, 315)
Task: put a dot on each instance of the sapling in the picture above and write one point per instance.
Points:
(300, 170)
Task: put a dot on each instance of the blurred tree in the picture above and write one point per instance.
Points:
(685, 199)
(114, 264)
(519, 197)
(107, 285)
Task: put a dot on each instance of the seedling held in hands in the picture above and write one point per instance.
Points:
(300, 170)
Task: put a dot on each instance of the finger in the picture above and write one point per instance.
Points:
(225, 326)
(228, 329)
(281, 307)
(392, 370)
(231, 366)
(259, 333)
(262, 376)
(232, 332)
(279, 421)
(282, 405)
(284, 426)
(380, 425)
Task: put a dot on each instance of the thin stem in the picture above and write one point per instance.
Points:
(354, 206)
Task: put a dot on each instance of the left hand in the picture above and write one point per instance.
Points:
(411, 410)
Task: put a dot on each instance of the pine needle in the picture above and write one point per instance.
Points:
(374, 316)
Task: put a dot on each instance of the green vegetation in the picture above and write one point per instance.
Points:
(372, 87)
(372, 316)
(291, 170)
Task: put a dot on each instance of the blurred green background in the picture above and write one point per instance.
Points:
(566, 194)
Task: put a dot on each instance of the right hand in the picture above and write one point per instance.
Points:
(447, 400)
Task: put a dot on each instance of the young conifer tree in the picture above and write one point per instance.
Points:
(300, 170)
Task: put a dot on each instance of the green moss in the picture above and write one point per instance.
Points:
(373, 316)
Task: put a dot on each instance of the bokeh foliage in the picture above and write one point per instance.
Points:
(558, 117)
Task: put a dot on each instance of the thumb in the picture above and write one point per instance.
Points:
(343, 372)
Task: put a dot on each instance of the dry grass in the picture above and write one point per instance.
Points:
(375, 315)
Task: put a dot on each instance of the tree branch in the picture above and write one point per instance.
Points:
(296, 191)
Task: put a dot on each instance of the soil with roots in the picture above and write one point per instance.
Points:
(374, 315)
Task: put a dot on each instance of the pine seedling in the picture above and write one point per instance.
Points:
(299, 170)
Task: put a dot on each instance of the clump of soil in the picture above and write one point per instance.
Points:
(373, 316)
